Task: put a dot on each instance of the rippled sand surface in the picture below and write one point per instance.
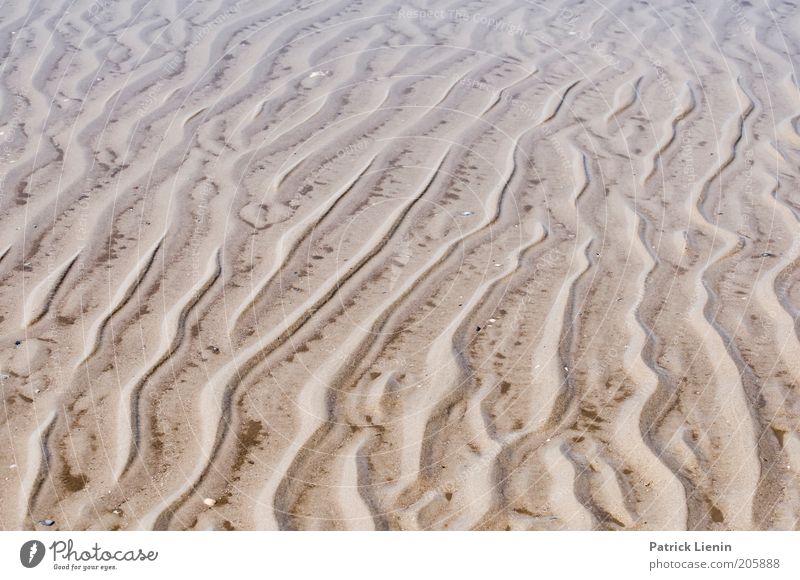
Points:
(371, 265)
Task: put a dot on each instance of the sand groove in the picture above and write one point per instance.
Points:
(351, 265)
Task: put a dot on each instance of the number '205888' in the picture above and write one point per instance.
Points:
(758, 563)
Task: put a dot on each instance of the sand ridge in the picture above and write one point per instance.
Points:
(381, 265)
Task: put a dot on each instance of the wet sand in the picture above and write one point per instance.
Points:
(370, 265)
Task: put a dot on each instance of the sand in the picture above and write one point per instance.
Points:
(370, 265)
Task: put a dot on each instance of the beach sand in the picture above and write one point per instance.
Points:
(373, 265)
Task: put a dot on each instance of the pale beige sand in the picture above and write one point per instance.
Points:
(342, 265)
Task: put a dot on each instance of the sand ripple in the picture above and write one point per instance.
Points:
(353, 265)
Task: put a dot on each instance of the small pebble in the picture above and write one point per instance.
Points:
(210, 502)
(116, 511)
(214, 349)
(467, 213)
(492, 320)
(12, 466)
(17, 342)
(47, 523)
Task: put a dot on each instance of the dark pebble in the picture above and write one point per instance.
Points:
(18, 342)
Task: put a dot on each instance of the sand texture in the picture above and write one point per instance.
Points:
(369, 265)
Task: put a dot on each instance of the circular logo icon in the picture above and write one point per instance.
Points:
(31, 553)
